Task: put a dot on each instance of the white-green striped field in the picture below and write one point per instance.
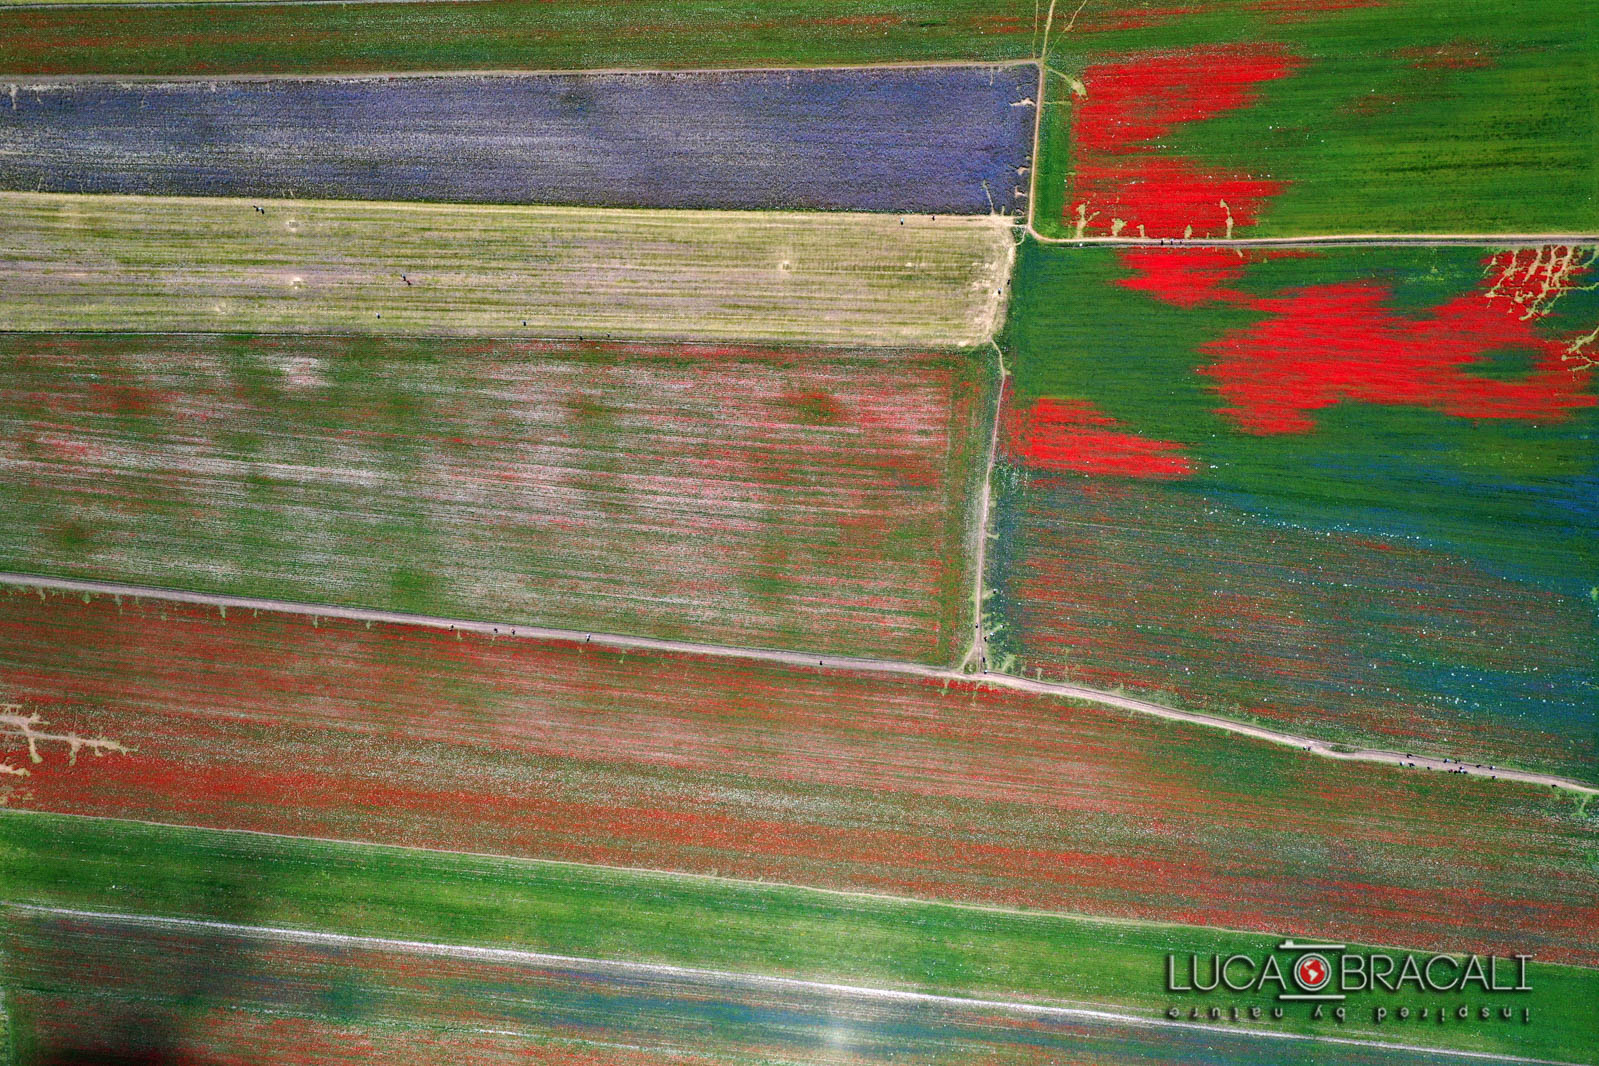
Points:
(133, 263)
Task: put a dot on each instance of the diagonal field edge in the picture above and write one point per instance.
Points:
(794, 659)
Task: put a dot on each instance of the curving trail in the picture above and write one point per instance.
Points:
(622, 641)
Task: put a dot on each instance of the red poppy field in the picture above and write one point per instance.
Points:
(1222, 119)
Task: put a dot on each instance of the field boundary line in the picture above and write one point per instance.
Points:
(1352, 240)
(793, 346)
(752, 217)
(734, 980)
(24, 81)
(978, 653)
(942, 674)
(1034, 167)
(46, 5)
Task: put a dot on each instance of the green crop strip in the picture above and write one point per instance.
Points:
(566, 34)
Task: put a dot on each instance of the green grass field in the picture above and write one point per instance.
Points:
(594, 912)
(129, 263)
(1418, 116)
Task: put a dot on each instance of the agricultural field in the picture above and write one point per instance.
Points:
(193, 264)
(465, 903)
(101, 983)
(1304, 116)
(808, 498)
(925, 787)
(945, 140)
(1350, 492)
(1308, 117)
(847, 532)
(210, 38)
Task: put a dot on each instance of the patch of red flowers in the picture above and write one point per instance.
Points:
(1073, 436)
(1330, 344)
(1185, 277)
(1318, 346)
(1122, 175)
(1337, 343)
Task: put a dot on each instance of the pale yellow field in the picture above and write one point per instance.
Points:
(70, 262)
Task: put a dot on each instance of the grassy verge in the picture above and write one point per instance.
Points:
(968, 472)
(1052, 152)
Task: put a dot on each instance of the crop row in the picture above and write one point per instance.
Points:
(124, 985)
(508, 35)
(472, 902)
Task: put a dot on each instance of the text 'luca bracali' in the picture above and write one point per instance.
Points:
(1321, 978)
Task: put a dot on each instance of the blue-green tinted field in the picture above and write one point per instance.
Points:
(1351, 492)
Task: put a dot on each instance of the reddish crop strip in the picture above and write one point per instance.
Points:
(1071, 436)
(951, 791)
